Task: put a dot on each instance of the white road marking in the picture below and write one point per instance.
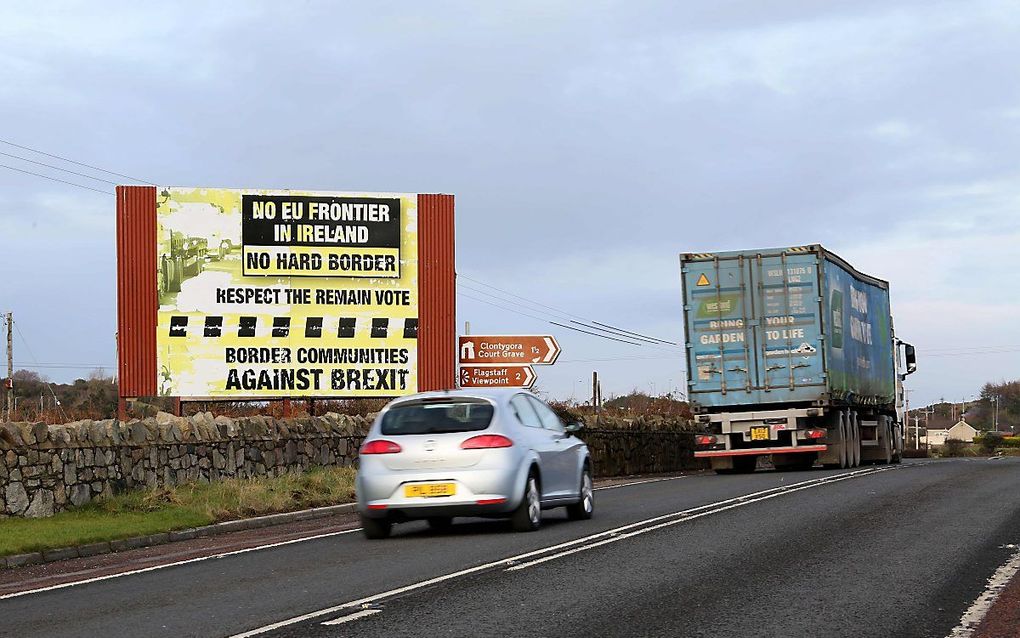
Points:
(175, 564)
(977, 611)
(690, 515)
(641, 482)
(506, 562)
(356, 615)
(233, 553)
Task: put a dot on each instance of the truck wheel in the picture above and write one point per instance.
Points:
(839, 434)
(855, 447)
(844, 437)
(887, 444)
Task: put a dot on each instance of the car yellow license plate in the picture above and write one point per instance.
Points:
(760, 434)
(429, 490)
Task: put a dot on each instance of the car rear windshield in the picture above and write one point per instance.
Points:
(436, 417)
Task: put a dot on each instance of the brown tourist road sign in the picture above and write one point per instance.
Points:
(500, 349)
(499, 376)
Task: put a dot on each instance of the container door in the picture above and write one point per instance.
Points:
(719, 308)
(788, 333)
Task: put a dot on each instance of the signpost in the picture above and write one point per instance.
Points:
(503, 361)
(501, 376)
(492, 349)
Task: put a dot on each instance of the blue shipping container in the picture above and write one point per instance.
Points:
(785, 326)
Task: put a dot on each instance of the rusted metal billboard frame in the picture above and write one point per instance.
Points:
(138, 303)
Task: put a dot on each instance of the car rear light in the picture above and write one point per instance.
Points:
(485, 441)
(376, 507)
(705, 439)
(814, 434)
(491, 501)
(380, 446)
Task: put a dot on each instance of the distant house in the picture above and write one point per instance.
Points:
(962, 431)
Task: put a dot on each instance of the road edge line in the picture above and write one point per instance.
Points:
(983, 603)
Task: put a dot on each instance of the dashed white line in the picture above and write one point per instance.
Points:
(977, 611)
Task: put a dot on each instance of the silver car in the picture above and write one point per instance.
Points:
(492, 453)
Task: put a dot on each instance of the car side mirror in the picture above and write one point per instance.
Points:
(576, 426)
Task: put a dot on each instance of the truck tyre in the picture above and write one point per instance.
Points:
(856, 447)
(837, 439)
(887, 442)
(845, 458)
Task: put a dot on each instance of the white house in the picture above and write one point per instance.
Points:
(962, 431)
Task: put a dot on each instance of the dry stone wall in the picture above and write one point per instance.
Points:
(48, 468)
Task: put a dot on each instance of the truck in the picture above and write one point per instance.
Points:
(791, 354)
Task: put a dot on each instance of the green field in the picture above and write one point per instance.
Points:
(143, 512)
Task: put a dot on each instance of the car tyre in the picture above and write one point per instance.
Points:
(583, 509)
(528, 515)
(375, 528)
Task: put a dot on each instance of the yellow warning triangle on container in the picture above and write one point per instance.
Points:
(703, 280)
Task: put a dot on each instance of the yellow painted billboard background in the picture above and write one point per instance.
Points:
(199, 277)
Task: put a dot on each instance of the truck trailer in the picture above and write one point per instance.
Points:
(791, 354)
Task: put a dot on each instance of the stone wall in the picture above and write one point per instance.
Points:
(626, 452)
(48, 468)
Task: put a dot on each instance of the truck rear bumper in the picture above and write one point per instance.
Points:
(761, 450)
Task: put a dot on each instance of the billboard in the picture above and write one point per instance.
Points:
(268, 293)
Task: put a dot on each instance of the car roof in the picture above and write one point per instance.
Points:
(499, 395)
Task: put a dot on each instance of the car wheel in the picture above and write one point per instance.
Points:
(440, 523)
(375, 528)
(584, 508)
(528, 515)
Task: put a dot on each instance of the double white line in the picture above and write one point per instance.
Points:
(546, 554)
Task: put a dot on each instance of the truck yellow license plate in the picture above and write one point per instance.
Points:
(429, 490)
(760, 434)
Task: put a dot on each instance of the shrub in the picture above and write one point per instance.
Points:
(988, 442)
(955, 447)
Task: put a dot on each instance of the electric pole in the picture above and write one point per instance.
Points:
(10, 364)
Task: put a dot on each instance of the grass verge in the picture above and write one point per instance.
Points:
(143, 512)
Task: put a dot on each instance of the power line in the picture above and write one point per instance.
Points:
(57, 168)
(672, 343)
(569, 315)
(544, 320)
(95, 168)
(623, 338)
(63, 181)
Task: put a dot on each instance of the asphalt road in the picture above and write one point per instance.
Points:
(884, 551)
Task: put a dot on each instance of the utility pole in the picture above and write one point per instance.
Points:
(10, 364)
(906, 414)
(996, 419)
(595, 395)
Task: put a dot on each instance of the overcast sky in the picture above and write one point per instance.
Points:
(587, 144)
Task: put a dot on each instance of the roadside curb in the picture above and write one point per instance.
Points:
(226, 527)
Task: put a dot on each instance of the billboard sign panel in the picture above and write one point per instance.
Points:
(268, 294)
